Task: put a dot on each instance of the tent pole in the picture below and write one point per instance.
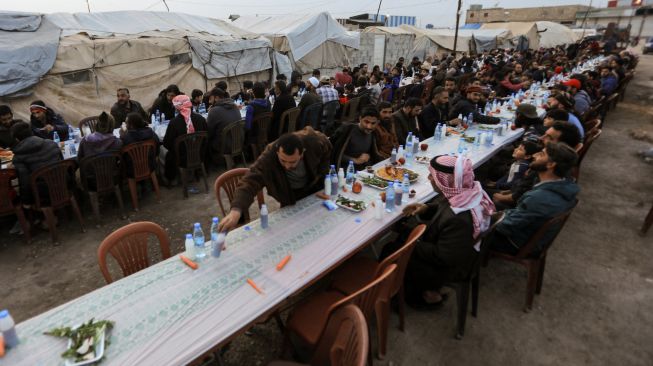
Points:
(377, 12)
(455, 40)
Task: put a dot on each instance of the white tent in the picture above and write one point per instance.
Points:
(555, 34)
(438, 41)
(528, 30)
(312, 41)
(390, 43)
(143, 51)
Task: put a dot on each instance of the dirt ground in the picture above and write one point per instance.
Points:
(595, 306)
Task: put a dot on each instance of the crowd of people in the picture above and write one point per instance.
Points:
(527, 182)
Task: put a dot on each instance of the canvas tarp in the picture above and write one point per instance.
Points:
(87, 71)
(397, 43)
(555, 34)
(518, 29)
(312, 41)
(28, 48)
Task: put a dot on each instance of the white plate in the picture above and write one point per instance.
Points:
(351, 208)
(422, 159)
(99, 350)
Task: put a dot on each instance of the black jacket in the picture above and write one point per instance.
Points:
(52, 119)
(220, 116)
(281, 104)
(176, 128)
(403, 125)
(430, 117)
(465, 107)
(120, 112)
(340, 139)
(30, 154)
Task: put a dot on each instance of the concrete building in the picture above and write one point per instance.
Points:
(640, 19)
(560, 14)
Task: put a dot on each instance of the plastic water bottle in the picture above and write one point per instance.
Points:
(489, 138)
(443, 132)
(8, 329)
(393, 156)
(341, 178)
(477, 141)
(189, 246)
(335, 182)
(415, 145)
(409, 158)
(217, 245)
(55, 138)
(332, 170)
(409, 139)
(405, 187)
(155, 121)
(399, 192)
(436, 133)
(163, 118)
(198, 239)
(264, 216)
(214, 236)
(71, 133)
(390, 197)
(327, 184)
(400, 152)
(157, 115)
(350, 177)
(461, 145)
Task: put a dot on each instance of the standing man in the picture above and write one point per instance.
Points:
(405, 119)
(357, 142)
(290, 169)
(124, 106)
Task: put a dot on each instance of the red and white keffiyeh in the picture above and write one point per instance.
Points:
(183, 104)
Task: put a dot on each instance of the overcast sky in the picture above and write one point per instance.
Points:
(436, 12)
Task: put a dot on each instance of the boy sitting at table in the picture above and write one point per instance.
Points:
(523, 155)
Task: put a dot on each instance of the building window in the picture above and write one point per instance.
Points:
(485, 15)
(471, 15)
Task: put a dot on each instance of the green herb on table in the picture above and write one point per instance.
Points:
(84, 339)
(374, 181)
(353, 204)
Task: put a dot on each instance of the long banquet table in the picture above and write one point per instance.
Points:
(169, 314)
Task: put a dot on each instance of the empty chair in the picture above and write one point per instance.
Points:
(227, 182)
(189, 157)
(288, 120)
(591, 127)
(9, 203)
(99, 175)
(55, 179)
(128, 246)
(308, 319)
(358, 271)
(90, 122)
(260, 124)
(345, 340)
(233, 142)
(139, 162)
(534, 259)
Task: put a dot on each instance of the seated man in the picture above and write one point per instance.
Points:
(101, 140)
(290, 169)
(223, 113)
(405, 119)
(526, 117)
(124, 106)
(30, 153)
(553, 195)
(435, 112)
(469, 104)
(186, 122)
(385, 136)
(456, 218)
(309, 98)
(6, 121)
(564, 102)
(163, 102)
(357, 142)
(257, 106)
(45, 122)
(137, 131)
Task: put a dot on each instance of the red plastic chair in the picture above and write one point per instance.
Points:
(228, 182)
(140, 154)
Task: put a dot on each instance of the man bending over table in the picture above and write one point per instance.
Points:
(291, 168)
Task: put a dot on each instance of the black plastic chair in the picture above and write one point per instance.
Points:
(312, 116)
(233, 143)
(189, 152)
(99, 175)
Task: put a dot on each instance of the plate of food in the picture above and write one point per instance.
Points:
(6, 156)
(374, 182)
(349, 204)
(422, 159)
(86, 342)
(392, 173)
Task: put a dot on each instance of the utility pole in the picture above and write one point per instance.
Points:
(377, 11)
(455, 39)
(88, 6)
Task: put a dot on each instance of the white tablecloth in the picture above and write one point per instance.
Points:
(169, 314)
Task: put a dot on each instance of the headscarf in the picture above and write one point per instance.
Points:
(455, 179)
(183, 104)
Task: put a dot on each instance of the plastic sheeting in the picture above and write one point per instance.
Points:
(519, 29)
(555, 34)
(310, 40)
(28, 49)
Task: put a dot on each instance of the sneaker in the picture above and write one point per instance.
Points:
(16, 229)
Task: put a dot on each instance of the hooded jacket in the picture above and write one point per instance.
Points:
(30, 154)
(546, 200)
(96, 143)
(53, 119)
(220, 116)
(582, 102)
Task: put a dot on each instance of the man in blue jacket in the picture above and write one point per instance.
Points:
(554, 194)
(608, 81)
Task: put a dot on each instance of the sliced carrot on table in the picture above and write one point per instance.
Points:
(283, 262)
(188, 262)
